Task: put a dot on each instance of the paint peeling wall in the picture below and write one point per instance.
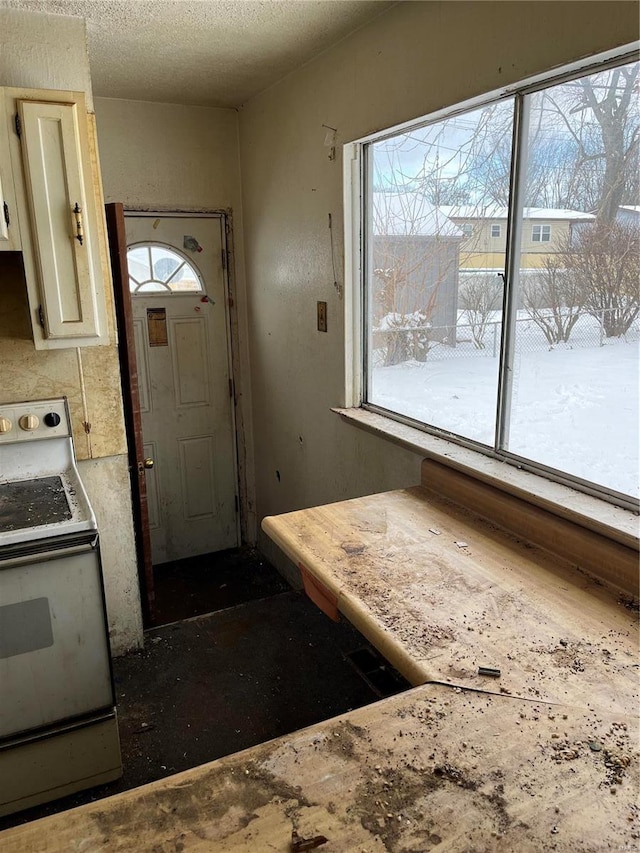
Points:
(49, 52)
(170, 157)
(412, 60)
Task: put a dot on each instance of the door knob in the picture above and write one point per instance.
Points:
(147, 463)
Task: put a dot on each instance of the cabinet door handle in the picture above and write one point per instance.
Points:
(77, 212)
(7, 218)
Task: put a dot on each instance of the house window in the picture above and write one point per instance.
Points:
(535, 363)
(467, 229)
(155, 268)
(541, 234)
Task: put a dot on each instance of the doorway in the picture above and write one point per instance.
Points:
(177, 285)
(181, 417)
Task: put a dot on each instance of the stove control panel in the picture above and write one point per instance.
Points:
(34, 420)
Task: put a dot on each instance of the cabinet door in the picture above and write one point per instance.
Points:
(9, 231)
(57, 198)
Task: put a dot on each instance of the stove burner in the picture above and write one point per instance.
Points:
(31, 503)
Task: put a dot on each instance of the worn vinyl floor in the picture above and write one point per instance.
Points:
(205, 584)
(216, 683)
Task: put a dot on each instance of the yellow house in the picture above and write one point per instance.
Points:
(545, 233)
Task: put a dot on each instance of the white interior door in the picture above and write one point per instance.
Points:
(182, 352)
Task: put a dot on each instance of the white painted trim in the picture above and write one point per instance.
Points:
(352, 275)
(616, 523)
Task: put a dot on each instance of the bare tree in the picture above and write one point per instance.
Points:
(415, 255)
(554, 299)
(415, 276)
(480, 296)
(583, 148)
(605, 264)
(398, 335)
(620, 138)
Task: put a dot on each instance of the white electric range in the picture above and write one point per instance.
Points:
(58, 727)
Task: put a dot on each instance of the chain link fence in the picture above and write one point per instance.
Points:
(480, 337)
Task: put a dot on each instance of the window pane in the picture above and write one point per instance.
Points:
(435, 262)
(161, 269)
(165, 263)
(576, 378)
(152, 287)
(138, 263)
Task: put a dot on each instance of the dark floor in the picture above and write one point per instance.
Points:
(218, 683)
(211, 582)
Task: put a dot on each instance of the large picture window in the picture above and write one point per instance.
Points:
(516, 336)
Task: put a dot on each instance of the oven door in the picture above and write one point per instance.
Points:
(54, 650)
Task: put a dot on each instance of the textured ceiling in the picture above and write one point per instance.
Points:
(210, 52)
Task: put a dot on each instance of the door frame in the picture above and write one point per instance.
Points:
(117, 242)
(131, 401)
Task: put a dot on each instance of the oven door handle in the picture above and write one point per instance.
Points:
(45, 556)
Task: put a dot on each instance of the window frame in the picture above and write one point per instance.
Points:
(355, 168)
(541, 233)
(166, 290)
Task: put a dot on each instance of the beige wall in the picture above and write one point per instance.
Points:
(48, 52)
(166, 156)
(410, 61)
(44, 52)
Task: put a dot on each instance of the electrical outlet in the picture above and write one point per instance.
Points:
(322, 316)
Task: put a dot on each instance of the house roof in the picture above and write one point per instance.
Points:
(410, 215)
(470, 211)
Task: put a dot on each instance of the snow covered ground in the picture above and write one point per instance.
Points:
(575, 408)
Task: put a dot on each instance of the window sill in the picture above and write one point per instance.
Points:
(616, 523)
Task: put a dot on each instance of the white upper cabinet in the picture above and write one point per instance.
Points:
(9, 230)
(59, 229)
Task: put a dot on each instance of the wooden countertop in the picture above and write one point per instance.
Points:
(441, 592)
(544, 758)
(436, 768)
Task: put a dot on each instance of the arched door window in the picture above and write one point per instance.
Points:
(156, 268)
